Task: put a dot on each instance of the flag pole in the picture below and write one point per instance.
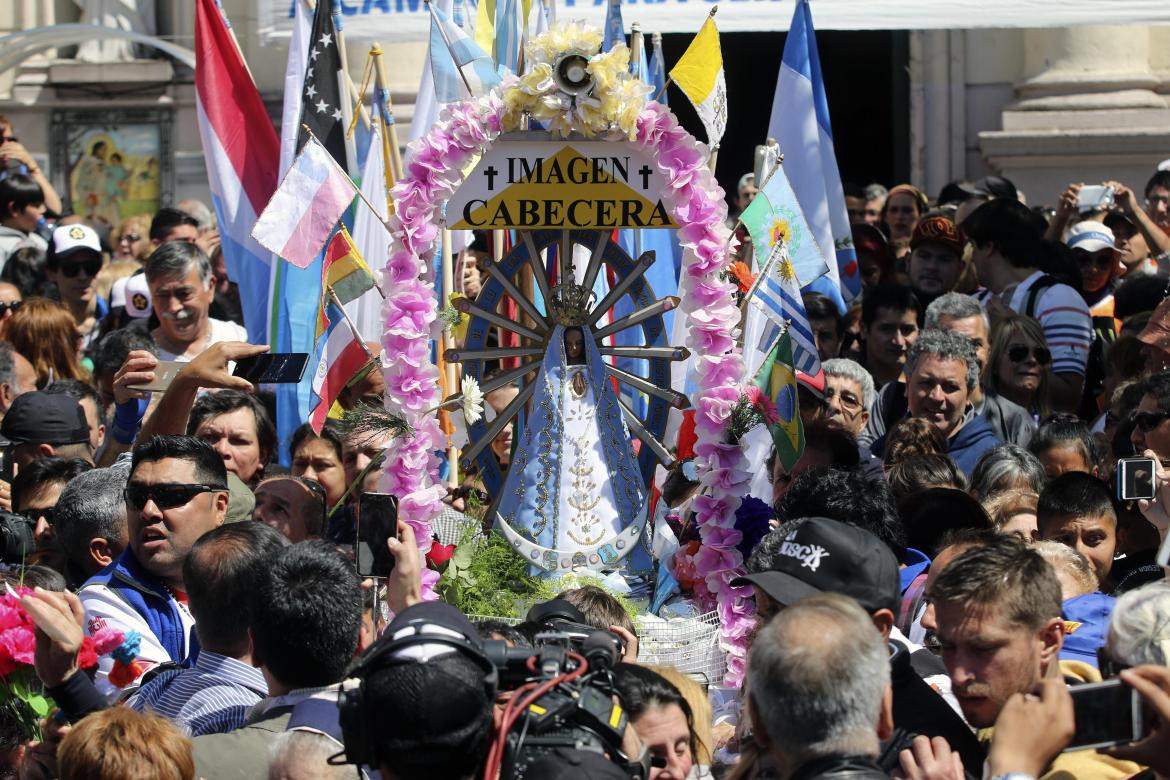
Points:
(447, 43)
(449, 343)
(357, 189)
(352, 89)
(394, 167)
(357, 336)
(232, 34)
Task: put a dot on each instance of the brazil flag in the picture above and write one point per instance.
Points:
(777, 380)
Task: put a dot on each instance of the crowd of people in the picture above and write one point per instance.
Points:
(947, 559)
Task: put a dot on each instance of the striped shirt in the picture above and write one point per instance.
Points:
(212, 697)
(1063, 315)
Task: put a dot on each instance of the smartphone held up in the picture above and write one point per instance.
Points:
(377, 521)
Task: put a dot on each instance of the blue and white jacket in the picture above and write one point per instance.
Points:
(126, 597)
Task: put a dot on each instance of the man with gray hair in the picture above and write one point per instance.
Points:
(1139, 629)
(17, 376)
(849, 393)
(182, 288)
(941, 371)
(90, 521)
(819, 692)
(963, 315)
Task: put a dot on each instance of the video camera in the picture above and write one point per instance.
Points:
(563, 695)
(17, 540)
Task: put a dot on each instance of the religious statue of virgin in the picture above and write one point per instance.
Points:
(573, 497)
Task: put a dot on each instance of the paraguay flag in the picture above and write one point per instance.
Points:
(777, 380)
(242, 152)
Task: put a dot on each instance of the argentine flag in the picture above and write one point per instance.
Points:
(452, 50)
(800, 124)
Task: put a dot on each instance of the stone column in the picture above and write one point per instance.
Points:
(1086, 110)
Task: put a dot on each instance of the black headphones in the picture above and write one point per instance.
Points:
(352, 704)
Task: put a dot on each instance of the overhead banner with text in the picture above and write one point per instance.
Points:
(407, 20)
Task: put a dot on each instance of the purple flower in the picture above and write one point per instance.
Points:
(752, 520)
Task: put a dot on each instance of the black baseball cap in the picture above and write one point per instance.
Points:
(992, 187)
(827, 556)
(45, 418)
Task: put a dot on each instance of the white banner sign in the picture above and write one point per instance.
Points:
(407, 20)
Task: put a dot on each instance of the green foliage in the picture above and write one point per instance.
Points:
(486, 577)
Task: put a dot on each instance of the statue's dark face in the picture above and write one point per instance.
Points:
(574, 345)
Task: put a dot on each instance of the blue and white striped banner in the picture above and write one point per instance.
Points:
(777, 297)
(509, 32)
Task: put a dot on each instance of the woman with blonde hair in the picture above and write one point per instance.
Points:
(121, 744)
(1020, 365)
(700, 710)
(131, 241)
(45, 333)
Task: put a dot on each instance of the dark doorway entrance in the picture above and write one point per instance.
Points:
(866, 81)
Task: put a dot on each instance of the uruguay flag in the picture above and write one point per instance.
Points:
(243, 158)
(800, 124)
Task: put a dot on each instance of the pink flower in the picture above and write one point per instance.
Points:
(721, 538)
(12, 615)
(18, 644)
(767, 409)
(720, 455)
(405, 471)
(429, 579)
(412, 388)
(409, 312)
(718, 510)
(720, 370)
(703, 293)
(713, 408)
(727, 480)
(713, 559)
(402, 266)
(711, 340)
(107, 639)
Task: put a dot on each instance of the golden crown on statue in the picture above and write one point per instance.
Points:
(570, 304)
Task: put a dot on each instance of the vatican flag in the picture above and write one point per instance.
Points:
(699, 74)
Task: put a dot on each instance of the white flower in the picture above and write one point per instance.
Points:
(472, 400)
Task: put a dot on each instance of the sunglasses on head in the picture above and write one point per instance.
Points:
(1148, 421)
(91, 266)
(166, 495)
(1018, 353)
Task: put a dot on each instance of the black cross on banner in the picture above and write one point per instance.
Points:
(321, 95)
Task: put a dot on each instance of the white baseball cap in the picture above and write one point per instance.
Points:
(137, 296)
(70, 238)
(1090, 236)
(118, 292)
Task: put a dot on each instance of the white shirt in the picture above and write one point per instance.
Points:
(217, 331)
(106, 609)
(1064, 316)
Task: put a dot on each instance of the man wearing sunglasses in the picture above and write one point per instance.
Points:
(74, 260)
(177, 492)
